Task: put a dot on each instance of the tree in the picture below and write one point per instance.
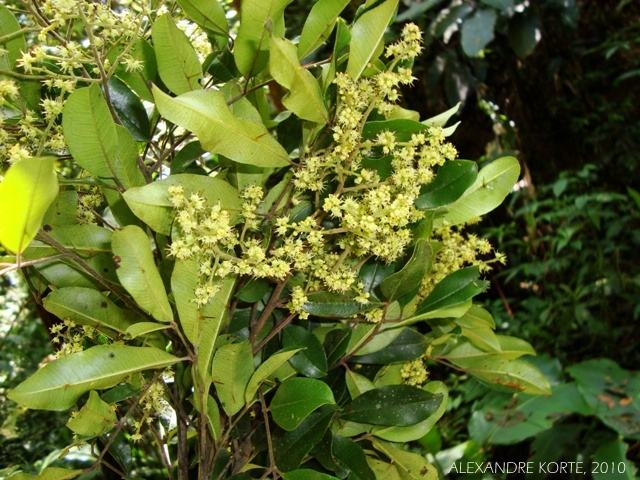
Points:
(242, 291)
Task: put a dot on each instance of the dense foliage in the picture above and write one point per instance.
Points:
(249, 283)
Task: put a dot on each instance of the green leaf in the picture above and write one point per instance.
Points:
(419, 430)
(290, 448)
(441, 119)
(206, 114)
(138, 273)
(208, 15)
(493, 184)
(306, 474)
(49, 473)
(402, 127)
(477, 31)
(336, 343)
(58, 384)
(27, 190)
(214, 316)
(357, 384)
(312, 361)
(366, 33)
(613, 464)
(296, 399)
(84, 240)
(506, 375)
(145, 328)
(90, 131)
(87, 306)
(408, 345)
(332, 305)
(372, 274)
(130, 110)
(524, 33)
(231, 371)
(185, 278)
(63, 210)
(319, 25)
(410, 277)
(151, 202)
(260, 19)
(612, 392)
(140, 80)
(15, 45)
(304, 98)
(455, 289)
(95, 418)
(411, 466)
(352, 456)
(264, 371)
(179, 68)
(451, 182)
(126, 161)
(392, 405)
(383, 469)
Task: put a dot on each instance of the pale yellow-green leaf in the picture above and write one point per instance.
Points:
(60, 383)
(90, 131)
(319, 25)
(137, 272)
(208, 14)
(96, 417)
(144, 328)
(260, 19)
(87, 306)
(304, 98)
(49, 473)
(206, 114)
(263, 372)
(410, 466)
(366, 34)
(493, 184)
(27, 190)
(178, 64)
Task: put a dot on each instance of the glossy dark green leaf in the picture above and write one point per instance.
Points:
(296, 399)
(312, 361)
(352, 456)
(306, 474)
(455, 289)
(408, 345)
(451, 182)
(410, 277)
(372, 274)
(119, 393)
(129, 109)
(254, 290)
(185, 160)
(140, 80)
(332, 305)
(402, 127)
(290, 448)
(392, 405)
(336, 343)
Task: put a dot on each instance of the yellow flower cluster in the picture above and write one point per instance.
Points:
(414, 372)
(71, 338)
